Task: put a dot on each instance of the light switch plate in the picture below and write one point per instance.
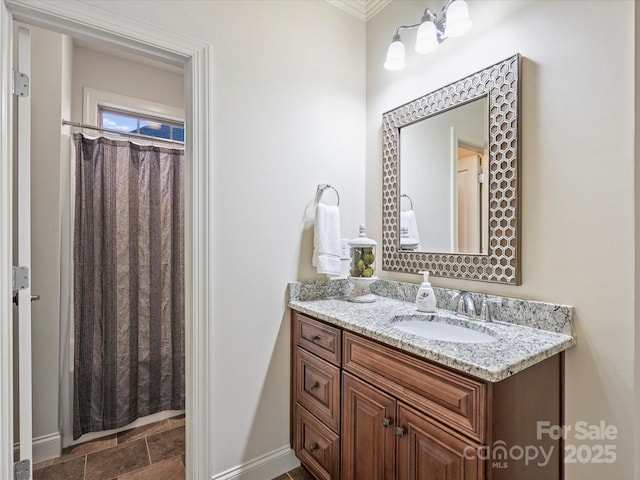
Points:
(344, 249)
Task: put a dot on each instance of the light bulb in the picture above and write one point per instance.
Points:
(426, 38)
(395, 55)
(458, 21)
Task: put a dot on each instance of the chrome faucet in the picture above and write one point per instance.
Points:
(489, 306)
(466, 305)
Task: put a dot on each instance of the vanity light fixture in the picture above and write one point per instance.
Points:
(432, 31)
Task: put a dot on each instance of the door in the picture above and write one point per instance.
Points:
(468, 202)
(23, 296)
(426, 451)
(368, 431)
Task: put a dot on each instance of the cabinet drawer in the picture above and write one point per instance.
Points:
(317, 447)
(318, 387)
(453, 399)
(317, 337)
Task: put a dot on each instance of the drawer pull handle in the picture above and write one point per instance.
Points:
(400, 432)
(314, 385)
(313, 447)
(315, 338)
(386, 422)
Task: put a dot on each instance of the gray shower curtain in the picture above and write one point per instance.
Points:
(128, 282)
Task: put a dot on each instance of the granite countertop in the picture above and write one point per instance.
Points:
(517, 346)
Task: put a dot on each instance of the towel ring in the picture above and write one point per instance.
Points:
(408, 198)
(321, 188)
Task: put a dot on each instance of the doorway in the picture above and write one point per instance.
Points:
(120, 32)
(472, 201)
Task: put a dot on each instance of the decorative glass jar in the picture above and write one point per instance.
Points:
(362, 270)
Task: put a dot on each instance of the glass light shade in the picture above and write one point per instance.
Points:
(458, 21)
(426, 38)
(395, 56)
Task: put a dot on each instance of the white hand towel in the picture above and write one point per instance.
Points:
(408, 220)
(326, 240)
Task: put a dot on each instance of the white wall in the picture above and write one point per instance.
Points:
(289, 113)
(46, 98)
(577, 138)
(125, 76)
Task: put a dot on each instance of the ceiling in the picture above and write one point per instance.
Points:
(362, 9)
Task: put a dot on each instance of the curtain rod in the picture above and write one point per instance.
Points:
(120, 132)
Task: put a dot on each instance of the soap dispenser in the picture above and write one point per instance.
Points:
(426, 298)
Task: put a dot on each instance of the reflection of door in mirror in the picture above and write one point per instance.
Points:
(470, 202)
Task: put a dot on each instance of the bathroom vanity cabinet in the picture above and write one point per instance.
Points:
(362, 410)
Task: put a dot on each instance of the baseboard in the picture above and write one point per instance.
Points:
(265, 467)
(45, 447)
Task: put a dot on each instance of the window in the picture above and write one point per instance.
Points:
(143, 125)
(132, 115)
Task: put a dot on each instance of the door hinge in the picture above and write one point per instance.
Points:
(20, 84)
(481, 178)
(20, 278)
(22, 470)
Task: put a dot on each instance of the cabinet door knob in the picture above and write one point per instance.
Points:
(315, 338)
(314, 385)
(386, 422)
(313, 447)
(400, 432)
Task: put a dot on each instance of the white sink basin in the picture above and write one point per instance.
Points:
(427, 327)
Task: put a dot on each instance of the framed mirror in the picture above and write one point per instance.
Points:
(451, 179)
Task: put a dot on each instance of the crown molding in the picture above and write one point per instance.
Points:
(361, 9)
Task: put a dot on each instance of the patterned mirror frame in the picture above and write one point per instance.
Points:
(501, 85)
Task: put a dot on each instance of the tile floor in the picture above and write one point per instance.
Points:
(151, 452)
(299, 473)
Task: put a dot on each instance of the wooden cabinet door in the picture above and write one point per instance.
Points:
(368, 425)
(426, 451)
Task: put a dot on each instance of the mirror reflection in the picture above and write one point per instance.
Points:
(443, 181)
